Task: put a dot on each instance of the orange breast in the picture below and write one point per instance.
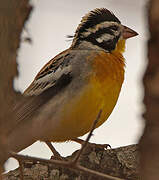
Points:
(107, 79)
(101, 92)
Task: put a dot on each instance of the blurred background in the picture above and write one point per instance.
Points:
(48, 26)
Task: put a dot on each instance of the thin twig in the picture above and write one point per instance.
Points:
(88, 138)
(55, 153)
(64, 164)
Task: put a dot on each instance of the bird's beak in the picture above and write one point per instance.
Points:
(128, 33)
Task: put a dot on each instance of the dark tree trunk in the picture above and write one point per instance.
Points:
(13, 14)
(149, 143)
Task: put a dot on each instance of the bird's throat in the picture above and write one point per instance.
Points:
(120, 47)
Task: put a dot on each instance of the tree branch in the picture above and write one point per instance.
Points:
(121, 162)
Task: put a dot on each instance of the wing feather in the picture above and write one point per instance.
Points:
(49, 74)
(44, 88)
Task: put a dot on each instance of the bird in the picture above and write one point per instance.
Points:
(70, 90)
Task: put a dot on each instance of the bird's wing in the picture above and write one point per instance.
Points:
(50, 74)
(52, 78)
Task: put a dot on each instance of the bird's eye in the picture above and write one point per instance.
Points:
(115, 28)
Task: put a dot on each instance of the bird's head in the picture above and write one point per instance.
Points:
(101, 29)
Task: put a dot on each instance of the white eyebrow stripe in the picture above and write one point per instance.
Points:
(104, 37)
(97, 27)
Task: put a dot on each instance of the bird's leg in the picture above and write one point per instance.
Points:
(80, 141)
(56, 155)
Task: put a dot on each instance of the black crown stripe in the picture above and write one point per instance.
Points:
(95, 17)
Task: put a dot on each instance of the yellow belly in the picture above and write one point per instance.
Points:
(101, 92)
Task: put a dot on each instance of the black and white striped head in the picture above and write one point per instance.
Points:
(100, 28)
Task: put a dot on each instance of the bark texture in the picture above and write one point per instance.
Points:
(121, 162)
(13, 15)
(149, 143)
